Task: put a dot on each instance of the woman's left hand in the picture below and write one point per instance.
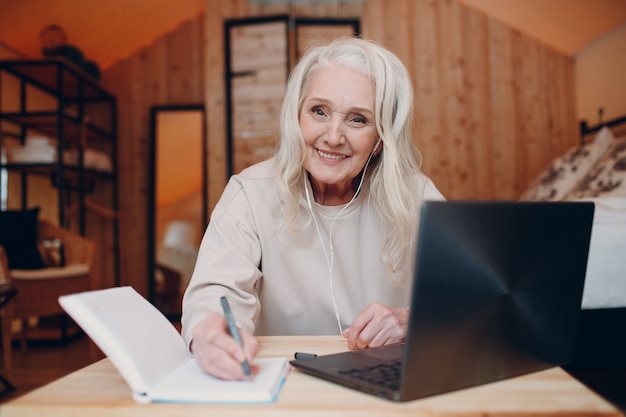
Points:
(377, 325)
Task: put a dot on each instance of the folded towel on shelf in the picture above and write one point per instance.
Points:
(92, 159)
(36, 149)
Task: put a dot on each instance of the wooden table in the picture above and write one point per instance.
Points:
(99, 390)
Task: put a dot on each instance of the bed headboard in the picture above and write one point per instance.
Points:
(617, 126)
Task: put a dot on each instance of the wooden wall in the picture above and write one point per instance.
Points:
(170, 71)
(493, 106)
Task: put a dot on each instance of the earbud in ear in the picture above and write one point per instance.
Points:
(376, 146)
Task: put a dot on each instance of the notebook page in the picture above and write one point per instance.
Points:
(191, 384)
(138, 339)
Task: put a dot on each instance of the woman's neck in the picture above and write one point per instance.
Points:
(332, 195)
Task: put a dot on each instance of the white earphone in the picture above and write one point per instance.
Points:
(330, 259)
(376, 146)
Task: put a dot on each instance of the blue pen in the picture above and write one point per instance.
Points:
(234, 331)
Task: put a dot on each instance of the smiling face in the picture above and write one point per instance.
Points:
(337, 123)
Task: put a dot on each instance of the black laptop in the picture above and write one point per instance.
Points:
(496, 293)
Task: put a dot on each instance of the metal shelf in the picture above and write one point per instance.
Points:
(55, 98)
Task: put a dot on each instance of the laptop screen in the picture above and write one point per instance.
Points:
(497, 291)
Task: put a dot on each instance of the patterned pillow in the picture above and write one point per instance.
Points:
(607, 178)
(565, 172)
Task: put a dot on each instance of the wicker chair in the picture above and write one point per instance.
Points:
(6, 317)
(38, 290)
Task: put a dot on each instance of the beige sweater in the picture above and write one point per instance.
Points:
(278, 281)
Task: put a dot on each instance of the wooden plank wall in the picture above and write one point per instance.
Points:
(170, 71)
(493, 106)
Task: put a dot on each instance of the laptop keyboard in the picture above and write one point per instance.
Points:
(386, 374)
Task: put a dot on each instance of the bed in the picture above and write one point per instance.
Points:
(595, 170)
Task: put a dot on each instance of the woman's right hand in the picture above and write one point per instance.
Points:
(217, 353)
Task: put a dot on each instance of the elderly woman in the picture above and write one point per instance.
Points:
(319, 239)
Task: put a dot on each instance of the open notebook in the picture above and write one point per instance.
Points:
(152, 357)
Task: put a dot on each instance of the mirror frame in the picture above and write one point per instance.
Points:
(152, 145)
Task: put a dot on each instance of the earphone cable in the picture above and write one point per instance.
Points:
(330, 262)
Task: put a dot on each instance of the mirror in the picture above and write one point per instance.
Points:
(177, 195)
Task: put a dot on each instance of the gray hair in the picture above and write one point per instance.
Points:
(391, 180)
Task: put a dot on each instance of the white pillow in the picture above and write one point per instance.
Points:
(565, 172)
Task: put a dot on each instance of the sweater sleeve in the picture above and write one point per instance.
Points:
(228, 264)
